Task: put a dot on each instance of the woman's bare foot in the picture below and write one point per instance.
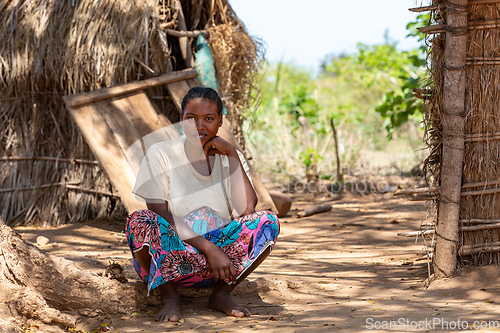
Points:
(221, 300)
(171, 309)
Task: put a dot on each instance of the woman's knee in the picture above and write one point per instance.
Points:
(141, 214)
(138, 217)
(272, 218)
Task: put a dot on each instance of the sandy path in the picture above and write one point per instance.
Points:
(345, 269)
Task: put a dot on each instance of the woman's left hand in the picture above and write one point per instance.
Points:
(218, 145)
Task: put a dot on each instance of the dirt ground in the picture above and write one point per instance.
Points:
(342, 270)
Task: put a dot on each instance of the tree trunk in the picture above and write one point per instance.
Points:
(38, 285)
(453, 139)
(339, 175)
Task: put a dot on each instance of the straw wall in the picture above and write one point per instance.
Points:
(479, 222)
(51, 48)
(482, 120)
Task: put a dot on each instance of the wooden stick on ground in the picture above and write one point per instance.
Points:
(417, 233)
(314, 210)
(422, 190)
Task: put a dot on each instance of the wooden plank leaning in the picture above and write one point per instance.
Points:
(73, 101)
(102, 141)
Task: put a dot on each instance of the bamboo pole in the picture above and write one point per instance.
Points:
(482, 2)
(428, 194)
(434, 7)
(32, 188)
(478, 25)
(481, 192)
(479, 221)
(479, 135)
(492, 182)
(453, 107)
(423, 9)
(477, 227)
(475, 250)
(481, 62)
(478, 248)
(481, 227)
(69, 186)
(432, 190)
(432, 29)
(187, 53)
(482, 137)
(46, 158)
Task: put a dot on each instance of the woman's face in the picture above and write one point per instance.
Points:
(200, 120)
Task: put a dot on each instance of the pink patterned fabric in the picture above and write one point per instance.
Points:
(243, 240)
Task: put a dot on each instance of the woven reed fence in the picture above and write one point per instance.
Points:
(462, 120)
(52, 48)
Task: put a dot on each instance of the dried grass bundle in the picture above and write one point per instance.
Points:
(237, 57)
(433, 116)
(482, 158)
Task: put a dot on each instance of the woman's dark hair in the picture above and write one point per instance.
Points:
(202, 92)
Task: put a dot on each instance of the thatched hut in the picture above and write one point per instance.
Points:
(462, 119)
(53, 48)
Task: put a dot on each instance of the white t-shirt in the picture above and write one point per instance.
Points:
(166, 174)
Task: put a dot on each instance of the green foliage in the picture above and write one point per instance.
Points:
(287, 92)
(400, 104)
(310, 157)
(367, 93)
(422, 20)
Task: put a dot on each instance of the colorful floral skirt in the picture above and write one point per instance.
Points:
(243, 240)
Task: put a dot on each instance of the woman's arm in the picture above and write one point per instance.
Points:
(244, 204)
(243, 195)
(217, 260)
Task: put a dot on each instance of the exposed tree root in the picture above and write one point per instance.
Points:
(38, 285)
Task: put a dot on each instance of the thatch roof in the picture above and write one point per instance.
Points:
(54, 48)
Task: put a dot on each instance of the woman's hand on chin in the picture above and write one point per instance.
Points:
(218, 145)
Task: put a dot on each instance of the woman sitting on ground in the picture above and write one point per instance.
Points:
(194, 188)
